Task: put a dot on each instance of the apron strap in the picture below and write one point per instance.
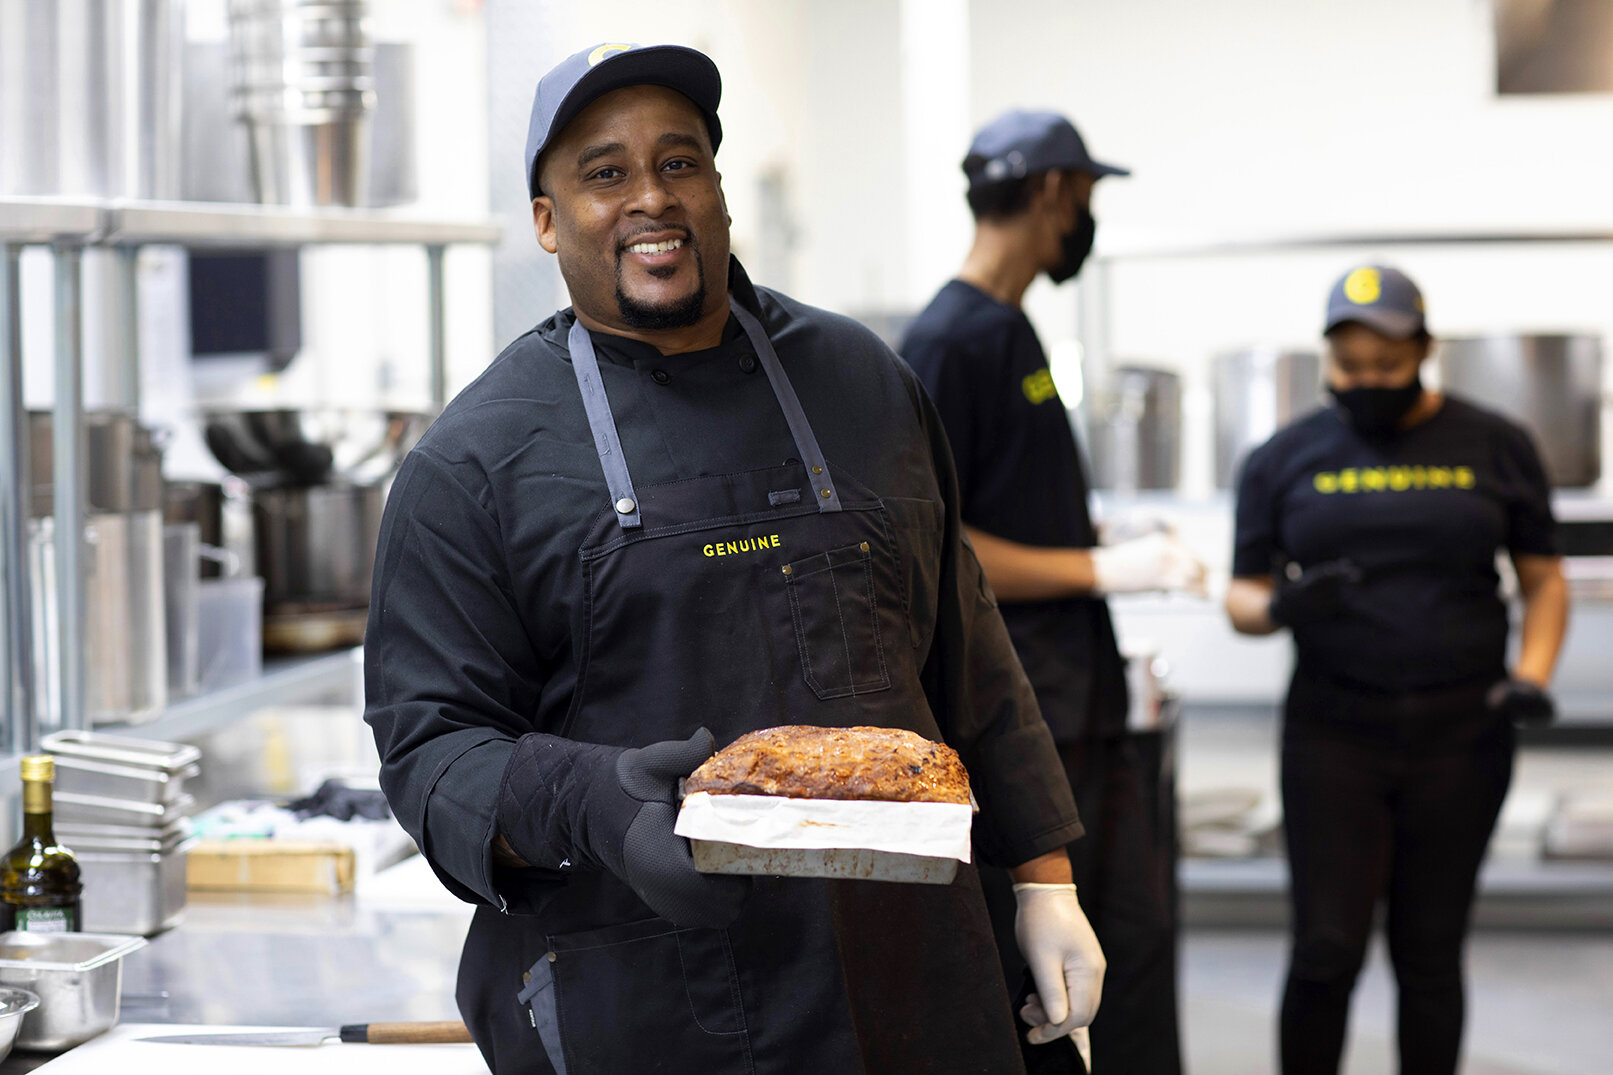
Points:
(608, 444)
(817, 468)
(585, 364)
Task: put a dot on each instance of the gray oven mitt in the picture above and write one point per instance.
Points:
(566, 804)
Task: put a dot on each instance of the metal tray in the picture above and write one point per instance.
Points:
(172, 758)
(134, 783)
(73, 809)
(77, 977)
(848, 863)
(134, 892)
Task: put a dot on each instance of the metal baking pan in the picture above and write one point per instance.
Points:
(170, 758)
(134, 892)
(73, 833)
(842, 863)
(73, 809)
(81, 776)
(77, 977)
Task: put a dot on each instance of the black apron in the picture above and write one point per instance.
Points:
(736, 602)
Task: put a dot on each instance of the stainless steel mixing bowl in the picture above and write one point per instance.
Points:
(14, 1004)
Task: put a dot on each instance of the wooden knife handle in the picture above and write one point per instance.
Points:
(406, 1033)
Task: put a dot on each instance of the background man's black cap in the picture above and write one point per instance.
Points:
(580, 79)
(1021, 143)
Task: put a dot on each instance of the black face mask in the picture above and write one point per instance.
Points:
(1076, 245)
(1376, 412)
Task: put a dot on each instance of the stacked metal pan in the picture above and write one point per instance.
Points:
(304, 87)
(120, 805)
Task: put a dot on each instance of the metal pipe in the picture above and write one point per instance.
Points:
(129, 300)
(17, 655)
(437, 322)
(70, 479)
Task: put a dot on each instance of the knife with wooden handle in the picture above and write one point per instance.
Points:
(446, 1033)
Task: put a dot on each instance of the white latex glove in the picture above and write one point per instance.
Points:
(1154, 562)
(1065, 961)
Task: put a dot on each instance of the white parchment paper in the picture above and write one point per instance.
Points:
(937, 830)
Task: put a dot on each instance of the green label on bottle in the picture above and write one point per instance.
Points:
(45, 919)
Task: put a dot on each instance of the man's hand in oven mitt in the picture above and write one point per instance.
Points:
(1315, 594)
(566, 804)
(1064, 959)
(1524, 703)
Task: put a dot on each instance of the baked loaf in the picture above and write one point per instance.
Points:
(804, 762)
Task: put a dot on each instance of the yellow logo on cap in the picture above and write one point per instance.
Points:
(605, 50)
(1363, 286)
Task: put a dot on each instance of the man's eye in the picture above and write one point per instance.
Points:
(607, 173)
(676, 165)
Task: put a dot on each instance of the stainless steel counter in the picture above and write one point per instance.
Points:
(289, 961)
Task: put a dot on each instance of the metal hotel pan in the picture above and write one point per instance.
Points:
(77, 977)
(170, 758)
(74, 809)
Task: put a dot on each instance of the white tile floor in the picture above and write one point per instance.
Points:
(1539, 1003)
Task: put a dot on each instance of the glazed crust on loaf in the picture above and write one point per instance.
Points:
(804, 762)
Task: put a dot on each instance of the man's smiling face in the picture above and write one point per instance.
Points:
(632, 204)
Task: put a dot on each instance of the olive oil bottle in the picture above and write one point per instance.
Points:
(39, 880)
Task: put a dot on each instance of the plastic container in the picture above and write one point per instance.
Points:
(230, 618)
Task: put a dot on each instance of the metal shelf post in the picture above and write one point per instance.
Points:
(17, 655)
(70, 477)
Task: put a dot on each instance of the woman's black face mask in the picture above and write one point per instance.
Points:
(1376, 412)
(1075, 245)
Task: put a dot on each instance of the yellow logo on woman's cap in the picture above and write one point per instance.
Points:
(1363, 286)
(605, 50)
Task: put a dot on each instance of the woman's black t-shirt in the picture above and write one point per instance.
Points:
(1423, 515)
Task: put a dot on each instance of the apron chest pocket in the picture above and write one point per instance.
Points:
(643, 997)
(836, 617)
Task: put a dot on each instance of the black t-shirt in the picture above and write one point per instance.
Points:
(1020, 477)
(1423, 514)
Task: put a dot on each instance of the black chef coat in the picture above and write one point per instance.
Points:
(1021, 478)
(477, 618)
(1423, 513)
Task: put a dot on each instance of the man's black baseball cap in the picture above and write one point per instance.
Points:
(582, 78)
(1021, 143)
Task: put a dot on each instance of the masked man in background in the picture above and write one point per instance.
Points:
(1023, 500)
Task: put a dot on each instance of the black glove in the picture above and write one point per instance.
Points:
(579, 804)
(1315, 595)
(1522, 702)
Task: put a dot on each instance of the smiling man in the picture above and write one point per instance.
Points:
(683, 509)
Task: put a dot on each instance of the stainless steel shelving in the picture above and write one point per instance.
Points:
(66, 226)
(284, 681)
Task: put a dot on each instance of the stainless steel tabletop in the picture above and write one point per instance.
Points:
(289, 961)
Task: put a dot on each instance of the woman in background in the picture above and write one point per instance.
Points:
(1370, 530)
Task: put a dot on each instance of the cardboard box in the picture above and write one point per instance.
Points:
(252, 865)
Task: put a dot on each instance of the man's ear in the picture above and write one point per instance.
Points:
(543, 222)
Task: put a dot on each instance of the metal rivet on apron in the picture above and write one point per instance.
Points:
(625, 506)
(826, 493)
(863, 546)
(816, 469)
(551, 957)
(526, 976)
(660, 376)
(747, 363)
(787, 569)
